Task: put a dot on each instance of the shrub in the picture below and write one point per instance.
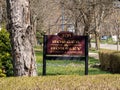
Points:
(2, 74)
(104, 57)
(115, 62)
(110, 60)
(5, 56)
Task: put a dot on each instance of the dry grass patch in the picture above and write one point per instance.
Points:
(62, 82)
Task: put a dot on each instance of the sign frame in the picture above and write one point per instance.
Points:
(62, 57)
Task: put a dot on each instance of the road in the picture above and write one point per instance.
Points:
(106, 46)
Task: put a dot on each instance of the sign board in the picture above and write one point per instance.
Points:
(64, 46)
(60, 46)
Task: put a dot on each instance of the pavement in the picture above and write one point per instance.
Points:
(107, 46)
(103, 46)
(94, 55)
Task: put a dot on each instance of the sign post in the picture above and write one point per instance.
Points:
(44, 55)
(86, 55)
(65, 46)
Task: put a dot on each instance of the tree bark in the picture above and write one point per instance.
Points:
(118, 42)
(1, 12)
(34, 25)
(76, 27)
(20, 29)
(86, 33)
(97, 41)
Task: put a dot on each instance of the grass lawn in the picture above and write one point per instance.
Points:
(66, 67)
(62, 82)
(63, 75)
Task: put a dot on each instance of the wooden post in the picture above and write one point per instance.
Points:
(86, 55)
(44, 54)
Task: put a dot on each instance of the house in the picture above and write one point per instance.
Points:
(114, 38)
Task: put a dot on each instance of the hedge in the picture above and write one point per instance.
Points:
(6, 68)
(110, 60)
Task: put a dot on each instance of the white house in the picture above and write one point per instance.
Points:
(114, 38)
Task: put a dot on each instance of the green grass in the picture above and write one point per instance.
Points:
(67, 76)
(66, 67)
(93, 50)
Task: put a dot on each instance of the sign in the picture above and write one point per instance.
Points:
(74, 45)
(65, 46)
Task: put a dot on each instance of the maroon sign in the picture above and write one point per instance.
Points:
(65, 46)
(65, 43)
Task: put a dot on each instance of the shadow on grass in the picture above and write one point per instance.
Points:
(93, 60)
(38, 52)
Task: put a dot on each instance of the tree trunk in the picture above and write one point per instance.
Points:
(118, 42)
(1, 12)
(86, 33)
(89, 41)
(18, 12)
(97, 41)
(86, 29)
(34, 25)
(76, 27)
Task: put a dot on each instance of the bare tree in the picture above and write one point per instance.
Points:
(43, 16)
(115, 20)
(90, 13)
(19, 27)
(0, 17)
(1, 14)
(102, 9)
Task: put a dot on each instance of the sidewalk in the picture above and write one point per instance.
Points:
(106, 46)
(94, 55)
(103, 46)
